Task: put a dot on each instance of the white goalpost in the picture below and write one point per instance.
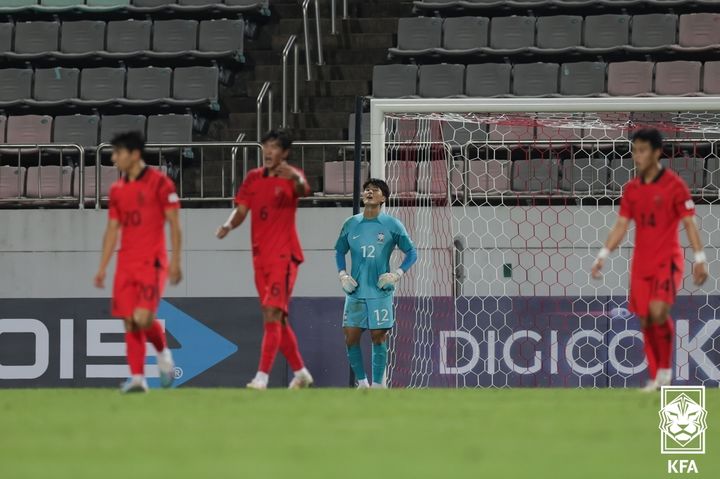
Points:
(508, 201)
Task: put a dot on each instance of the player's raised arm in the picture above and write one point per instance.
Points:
(700, 273)
(109, 241)
(613, 240)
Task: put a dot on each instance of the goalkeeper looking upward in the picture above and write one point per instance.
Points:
(371, 237)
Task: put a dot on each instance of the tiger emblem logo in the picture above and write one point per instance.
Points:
(683, 420)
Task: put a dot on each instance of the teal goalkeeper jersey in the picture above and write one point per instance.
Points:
(371, 242)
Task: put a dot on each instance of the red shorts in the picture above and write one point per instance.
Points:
(662, 286)
(274, 282)
(139, 285)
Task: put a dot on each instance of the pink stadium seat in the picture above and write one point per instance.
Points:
(510, 131)
(699, 29)
(108, 175)
(3, 122)
(677, 78)
(401, 177)
(432, 178)
(711, 78)
(339, 177)
(484, 177)
(12, 181)
(49, 181)
(630, 78)
(29, 129)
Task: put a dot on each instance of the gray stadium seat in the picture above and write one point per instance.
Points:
(394, 81)
(29, 129)
(150, 83)
(12, 181)
(464, 34)
(15, 85)
(537, 175)
(3, 123)
(655, 30)
(338, 176)
(582, 78)
(221, 36)
(82, 36)
(606, 32)
(535, 79)
(195, 84)
(365, 127)
(48, 181)
(6, 35)
(111, 125)
(78, 129)
(108, 175)
(36, 37)
(712, 179)
(56, 84)
(104, 84)
(711, 78)
(512, 33)
(441, 81)
(677, 78)
(622, 170)
(418, 35)
(560, 32)
(630, 78)
(152, 3)
(460, 133)
(172, 36)
(690, 169)
(488, 79)
(107, 3)
(169, 128)
(584, 175)
(128, 36)
(698, 30)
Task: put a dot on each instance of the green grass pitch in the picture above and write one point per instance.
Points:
(337, 433)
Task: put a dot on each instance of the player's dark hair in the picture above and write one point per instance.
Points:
(380, 184)
(130, 140)
(281, 136)
(650, 135)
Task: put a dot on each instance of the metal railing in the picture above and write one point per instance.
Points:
(290, 45)
(306, 33)
(333, 14)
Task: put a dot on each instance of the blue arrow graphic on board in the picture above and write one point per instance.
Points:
(200, 347)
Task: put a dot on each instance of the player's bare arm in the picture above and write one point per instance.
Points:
(699, 270)
(613, 241)
(109, 241)
(236, 218)
(174, 271)
(284, 170)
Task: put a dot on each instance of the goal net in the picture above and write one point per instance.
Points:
(508, 202)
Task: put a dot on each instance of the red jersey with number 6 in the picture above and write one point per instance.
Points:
(656, 208)
(273, 203)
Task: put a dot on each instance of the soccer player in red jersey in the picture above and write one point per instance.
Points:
(271, 194)
(141, 202)
(657, 200)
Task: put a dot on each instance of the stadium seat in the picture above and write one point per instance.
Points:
(463, 35)
(559, 33)
(582, 78)
(365, 127)
(48, 181)
(483, 177)
(537, 175)
(221, 36)
(677, 78)
(149, 83)
(606, 32)
(511, 130)
(29, 129)
(488, 79)
(128, 36)
(59, 3)
(711, 78)
(78, 129)
(699, 30)
(169, 129)
(12, 181)
(630, 78)
(690, 169)
(152, 3)
(418, 36)
(432, 176)
(111, 125)
(712, 168)
(459, 134)
(653, 31)
(6, 36)
(622, 170)
(394, 81)
(107, 3)
(56, 85)
(83, 36)
(584, 175)
(36, 38)
(3, 124)
(512, 34)
(172, 36)
(15, 85)
(108, 175)
(18, 3)
(338, 176)
(195, 84)
(102, 85)
(401, 177)
(535, 79)
(441, 81)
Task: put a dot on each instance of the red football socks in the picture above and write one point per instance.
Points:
(135, 349)
(649, 343)
(289, 348)
(664, 335)
(156, 335)
(270, 345)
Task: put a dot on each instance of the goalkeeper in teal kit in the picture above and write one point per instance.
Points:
(371, 238)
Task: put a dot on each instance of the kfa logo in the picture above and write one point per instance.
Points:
(683, 422)
(381, 237)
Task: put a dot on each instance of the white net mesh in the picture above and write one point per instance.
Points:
(508, 213)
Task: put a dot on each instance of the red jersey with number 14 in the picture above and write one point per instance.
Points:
(139, 206)
(656, 208)
(273, 203)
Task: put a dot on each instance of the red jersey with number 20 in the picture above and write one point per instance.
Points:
(656, 208)
(273, 203)
(140, 206)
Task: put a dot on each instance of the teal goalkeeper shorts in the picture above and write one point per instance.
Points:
(371, 313)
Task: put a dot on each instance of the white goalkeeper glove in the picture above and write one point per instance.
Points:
(389, 279)
(348, 283)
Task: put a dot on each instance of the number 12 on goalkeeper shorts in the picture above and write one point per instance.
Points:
(380, 316)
